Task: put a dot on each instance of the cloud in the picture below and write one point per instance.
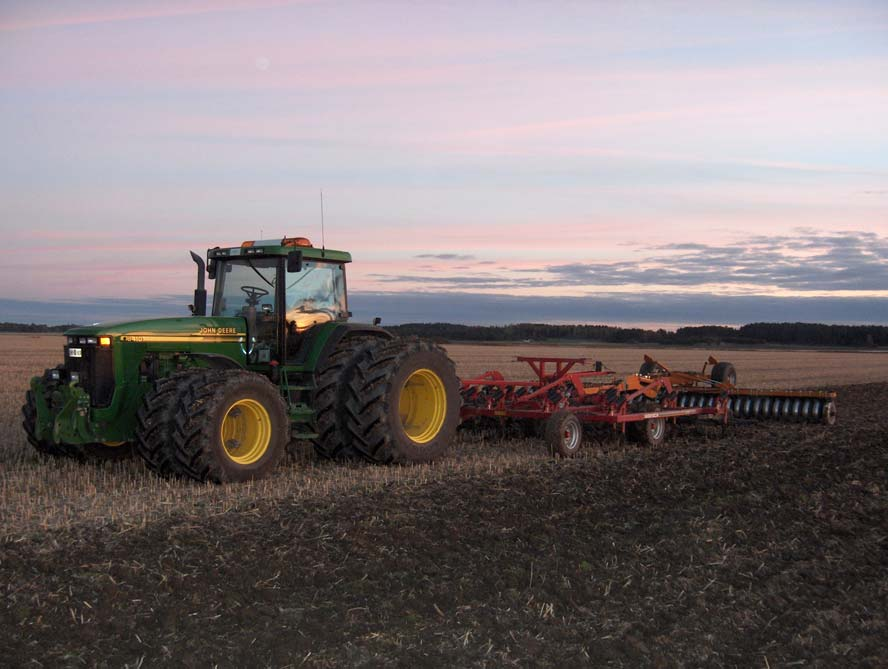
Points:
(445, 256)
(805, 261)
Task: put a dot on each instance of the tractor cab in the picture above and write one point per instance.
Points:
(281, 288)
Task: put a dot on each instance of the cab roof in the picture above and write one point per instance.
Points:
(279, 247)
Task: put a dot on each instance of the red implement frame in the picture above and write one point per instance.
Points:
(591, 395)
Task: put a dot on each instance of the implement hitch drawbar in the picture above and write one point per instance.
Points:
(563, 400)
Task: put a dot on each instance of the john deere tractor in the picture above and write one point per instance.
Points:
(217, 397)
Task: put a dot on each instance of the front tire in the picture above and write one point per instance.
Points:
(403, 403)
(229, 428)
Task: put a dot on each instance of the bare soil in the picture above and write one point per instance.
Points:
(765, 547)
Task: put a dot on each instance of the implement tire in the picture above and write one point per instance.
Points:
(230, 426)
(331, 393)
(650, 431)
(403, 402)
(564, 434)
(29, 423)
(724, 372)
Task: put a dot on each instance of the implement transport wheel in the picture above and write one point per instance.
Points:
(230, 427)
(403, 402)
(564, 434)
(829, 413)
(724, 372)
(648, 368)
(650, 431)
(331, 393)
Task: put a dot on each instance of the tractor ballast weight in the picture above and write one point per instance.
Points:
(218, 395)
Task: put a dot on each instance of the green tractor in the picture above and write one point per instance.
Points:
(218, 397)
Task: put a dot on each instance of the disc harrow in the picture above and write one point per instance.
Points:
(640, 406)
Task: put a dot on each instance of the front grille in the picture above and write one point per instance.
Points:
(95, 369)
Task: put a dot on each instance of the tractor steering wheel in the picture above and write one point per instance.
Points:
(253, 294)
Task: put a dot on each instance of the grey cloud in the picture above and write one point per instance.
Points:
(805, 262)
(445, 256)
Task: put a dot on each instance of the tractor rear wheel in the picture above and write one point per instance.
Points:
(564, 434)
(230, 427)
(403, 402)
(331, 393)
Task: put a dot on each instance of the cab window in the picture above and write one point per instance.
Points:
(315, 295)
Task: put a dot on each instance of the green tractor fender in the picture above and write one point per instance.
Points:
(320, 341)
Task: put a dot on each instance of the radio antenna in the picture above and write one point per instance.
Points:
(323, 242)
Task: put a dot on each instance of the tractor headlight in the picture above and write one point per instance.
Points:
(74, 377)
(54, 374)
(91, 340)
(72, 340)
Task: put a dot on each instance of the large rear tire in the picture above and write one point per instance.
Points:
(332, 380)
(230, 427)
(403, 402)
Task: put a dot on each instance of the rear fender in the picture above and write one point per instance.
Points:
(321, 340)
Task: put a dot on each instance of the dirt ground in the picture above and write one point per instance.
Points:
(766, 547)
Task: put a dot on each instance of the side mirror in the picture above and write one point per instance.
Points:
(377, 320)
(294, 261)
(211, 269)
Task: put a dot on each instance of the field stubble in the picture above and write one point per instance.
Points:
(767, 547)
(42, 496)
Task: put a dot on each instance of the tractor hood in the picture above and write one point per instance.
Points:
(170, 330)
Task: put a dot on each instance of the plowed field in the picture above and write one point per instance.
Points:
(765, 548)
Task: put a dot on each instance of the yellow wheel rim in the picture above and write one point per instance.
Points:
(246, 431)
(422, 405)
(113, 443)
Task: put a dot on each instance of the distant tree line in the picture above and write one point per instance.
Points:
(797, 334)
(34, 327)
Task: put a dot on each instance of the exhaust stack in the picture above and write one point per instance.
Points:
(199, 308)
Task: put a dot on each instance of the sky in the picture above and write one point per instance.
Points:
(656, 163)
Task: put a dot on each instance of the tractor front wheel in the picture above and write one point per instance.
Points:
(229, 427)
(156, 419)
